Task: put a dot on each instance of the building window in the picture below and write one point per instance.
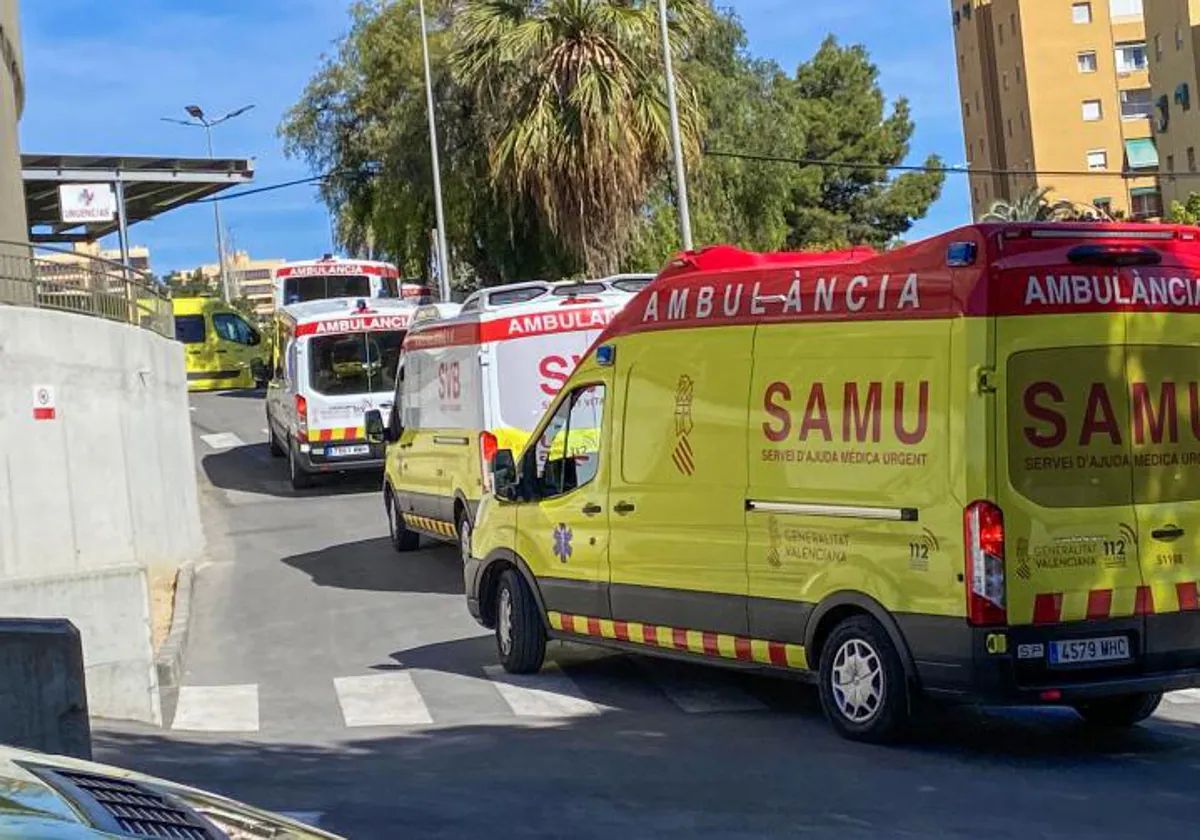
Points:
(966, 108)
(1086, 62)
(1012, 23)
(1178, 37)
(1170, 163)
(1125, 8)
(1004, 80)
(1000, 34)
(1097, 160)
(1137, 104)
(1092, 112)
(1022, 120)
(1183, 96)
(1131, 57)
(1009, 123)
(1158, 47)
(1163, 104)
(957, 18)
(1103, 204)
(1191, 153)
(1018, 74)
(1081, 12)
(1146, 203)
(975, 194)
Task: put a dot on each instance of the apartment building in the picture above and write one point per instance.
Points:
(248, 277)
(1173, 50)
(1056, 93)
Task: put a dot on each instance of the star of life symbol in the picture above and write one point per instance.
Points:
(562, 542)
(683, 456)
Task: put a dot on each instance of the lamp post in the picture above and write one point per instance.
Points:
(443, 253)
(681, 191)
(199, 120)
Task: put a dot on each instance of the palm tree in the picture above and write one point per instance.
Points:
(573, 99)
(1031, 206)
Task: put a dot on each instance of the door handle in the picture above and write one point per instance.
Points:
(1171, 532)
(591, 509)
(222, 351)
(624, 508)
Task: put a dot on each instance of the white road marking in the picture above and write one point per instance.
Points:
(217, 708)
(381, 700)
(550, 694)
(699, 696)
(1190, 696)
(222, 440)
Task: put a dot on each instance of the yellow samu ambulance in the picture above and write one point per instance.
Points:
(967, 469)
(476, 378)
(221, 348)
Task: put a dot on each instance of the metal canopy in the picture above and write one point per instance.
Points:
(151, 185)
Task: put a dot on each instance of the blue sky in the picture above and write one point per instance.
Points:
(98, 82)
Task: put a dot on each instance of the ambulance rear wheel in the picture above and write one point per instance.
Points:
(520, 636)
(1119, 712)
(300, 479)
(402, 538)
(864, 692)
(273, 443)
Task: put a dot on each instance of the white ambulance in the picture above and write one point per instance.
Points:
(477, 381)
(336, 360)
(333, 277)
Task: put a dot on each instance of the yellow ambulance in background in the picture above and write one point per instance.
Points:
(222, 350)
(967, 469)
(474, 379)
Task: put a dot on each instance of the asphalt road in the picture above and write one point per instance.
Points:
(331, 678)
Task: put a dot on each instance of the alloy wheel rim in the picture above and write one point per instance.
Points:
(464, 540)
(857, 681)
(504, 621)
(392, 519)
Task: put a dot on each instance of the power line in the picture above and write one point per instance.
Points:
(946, 170)
(268, 188)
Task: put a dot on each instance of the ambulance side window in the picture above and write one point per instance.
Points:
(567, 453)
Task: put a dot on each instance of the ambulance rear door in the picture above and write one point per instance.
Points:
(1063, 452)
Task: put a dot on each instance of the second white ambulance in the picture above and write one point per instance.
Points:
(336, 360)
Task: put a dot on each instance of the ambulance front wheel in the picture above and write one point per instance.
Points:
(1119, 712)
(402, 538)
(864, 691)
(520, 636)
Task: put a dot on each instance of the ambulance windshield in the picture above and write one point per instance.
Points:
(354, 363)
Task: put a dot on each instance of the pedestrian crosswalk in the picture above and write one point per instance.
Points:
(420, 697)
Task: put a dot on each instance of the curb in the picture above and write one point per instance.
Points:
(168, 662)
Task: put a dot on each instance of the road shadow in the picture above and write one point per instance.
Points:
(374, 565)
(626, 774)
(244, 394)
(252, 469)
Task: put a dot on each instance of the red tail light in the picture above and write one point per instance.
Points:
(487, 451)
(302, 418)
(983, 532)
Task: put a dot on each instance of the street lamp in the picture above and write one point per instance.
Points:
(199, 120)
(681, 191)
(443, 253)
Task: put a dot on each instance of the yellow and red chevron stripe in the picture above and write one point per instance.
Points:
(703, 643)
(349, 433)
(431, 526)
(1055, 607)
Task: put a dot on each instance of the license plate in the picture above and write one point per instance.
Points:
(344, 451)
(1077, 651)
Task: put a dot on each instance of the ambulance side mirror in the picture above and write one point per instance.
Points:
(377, 432)
(504, 475)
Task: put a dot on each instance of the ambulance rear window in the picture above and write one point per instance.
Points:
(580, 289)
(189, 328)
(511, 296)
(304, 289)
(354, 363)
(633, 284)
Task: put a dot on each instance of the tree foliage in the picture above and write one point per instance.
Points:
(1186, 212)
(555, 149)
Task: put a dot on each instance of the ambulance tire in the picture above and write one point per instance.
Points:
(876, 707)
(300, 479)
(1119, 712)
(273, 443)
(463, 529)
(403, 540)
(520, 635)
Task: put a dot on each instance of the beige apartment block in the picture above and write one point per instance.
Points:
(1173, 47)
(249, 278)
(1056, 93)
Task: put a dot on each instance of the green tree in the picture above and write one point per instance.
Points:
(194, 284)
(1185, 212)
(1034, 205)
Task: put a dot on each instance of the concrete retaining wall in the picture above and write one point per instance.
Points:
(94, 498)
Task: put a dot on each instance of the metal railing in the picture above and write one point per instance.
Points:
(55, 278)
